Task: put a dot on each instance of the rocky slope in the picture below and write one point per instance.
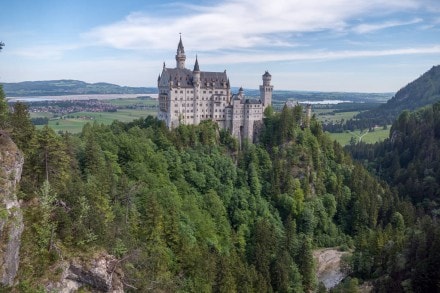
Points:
(11, 218)
(100, 274)
(329, 270)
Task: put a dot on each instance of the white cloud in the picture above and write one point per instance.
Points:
(317, 55)
(50, 52)
(371, 27)
(237, 24)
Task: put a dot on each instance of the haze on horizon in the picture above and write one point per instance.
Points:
(334, 45)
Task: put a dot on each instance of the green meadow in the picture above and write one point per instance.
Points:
(344, 138)
(74, 122)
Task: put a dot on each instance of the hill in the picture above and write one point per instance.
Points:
(410, 163)
(423, 91)
(69, 87)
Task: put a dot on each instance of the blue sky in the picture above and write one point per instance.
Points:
(323, 45)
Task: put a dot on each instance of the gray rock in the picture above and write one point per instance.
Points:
(101, 274)
(11, 218)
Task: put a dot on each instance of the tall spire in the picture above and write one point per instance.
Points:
(180, 55)
(196, 65)
(180, 48)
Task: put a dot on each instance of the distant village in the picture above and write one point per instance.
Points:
(72, 108)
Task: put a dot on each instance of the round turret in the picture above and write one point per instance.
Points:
(240, 91)
(196, 73)
(180, 55)
(196, 66)
(266, 78)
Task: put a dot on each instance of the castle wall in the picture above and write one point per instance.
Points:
(189, 97)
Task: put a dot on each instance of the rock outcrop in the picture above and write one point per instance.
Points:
(100, 274)
(11, 218)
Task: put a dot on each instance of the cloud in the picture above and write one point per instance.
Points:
(236, 24)
(369, 27)
(318, 55)
(50, 52)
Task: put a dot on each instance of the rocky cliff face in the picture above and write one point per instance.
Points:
(11, 218)
(100, 274)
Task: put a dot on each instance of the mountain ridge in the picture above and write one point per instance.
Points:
(69, 87)
(76, 87)
(423, 91)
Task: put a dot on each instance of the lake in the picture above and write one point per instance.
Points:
(79, 97)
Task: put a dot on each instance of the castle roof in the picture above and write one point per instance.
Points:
(185, 77)
(180, 46)
(252, 101)
(196, 65)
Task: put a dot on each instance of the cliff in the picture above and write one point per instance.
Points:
(99, 274)
(11, 218)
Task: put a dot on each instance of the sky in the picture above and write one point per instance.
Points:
(313, 45)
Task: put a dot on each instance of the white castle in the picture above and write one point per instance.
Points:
(189, 97)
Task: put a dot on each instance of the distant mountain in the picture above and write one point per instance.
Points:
(69, 87)
(423, 91)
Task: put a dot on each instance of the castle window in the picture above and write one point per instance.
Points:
(175, 91)
(204, 92)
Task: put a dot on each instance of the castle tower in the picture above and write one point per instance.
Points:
(240, 93)
(180, 55)
(196, 72)
(266, 90)
(196, 83)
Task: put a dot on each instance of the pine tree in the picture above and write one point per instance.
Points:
(23, 131)
(4, 110)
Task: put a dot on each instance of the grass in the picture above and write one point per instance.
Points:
(379, 134)
(327, 115)
(130, 102)
(41, 114)
(75, 125)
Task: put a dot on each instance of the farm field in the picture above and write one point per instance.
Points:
(75, 124)
(134, 102)
(344, 138)
(328, 116)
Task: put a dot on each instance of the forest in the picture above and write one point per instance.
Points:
(193, 210)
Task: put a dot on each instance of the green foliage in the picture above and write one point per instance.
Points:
(423, 91)
(4, 109)
(186, 210)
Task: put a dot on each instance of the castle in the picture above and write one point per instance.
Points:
(191, 96)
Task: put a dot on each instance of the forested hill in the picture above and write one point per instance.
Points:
(423, 91)
(69, 87)
(410, 162)
(410, 158)
(187, 210)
